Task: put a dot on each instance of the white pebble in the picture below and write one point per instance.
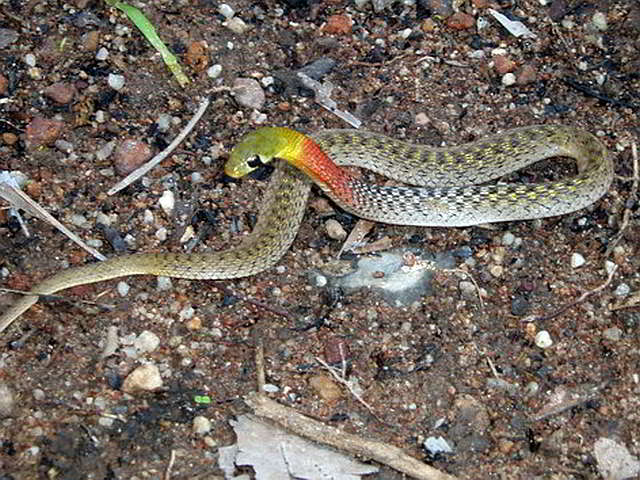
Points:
(226, 11)
(148, 217)
(236, 25)
(201, 425)
(115, 81)
(543, 339)
(622, 290)
(187, 313)
(163, 122)
(102, 54)
(163, 283)
(406, 33)
(79, 220)
(599, 21)
(100, 117)
(30, 59)
(7, 401)
(38, 394)
(508, 238)
(577, 260)
(162, 234)
(123, 288)
(609, 266)
(214, 71)
(167, 201)
(147, 341)
(508, 79)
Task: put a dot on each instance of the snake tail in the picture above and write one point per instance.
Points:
(271, 237)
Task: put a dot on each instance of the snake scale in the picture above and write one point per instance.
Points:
(447, 194)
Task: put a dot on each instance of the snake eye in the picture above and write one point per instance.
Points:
(255, 162)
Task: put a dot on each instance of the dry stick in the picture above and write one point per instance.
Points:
(320, 433)
(341, 379)
(172, 459)
(136, 174)
(303, 426)
(581, 299)
(626, 216)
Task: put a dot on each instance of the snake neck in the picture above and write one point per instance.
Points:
(306, 155)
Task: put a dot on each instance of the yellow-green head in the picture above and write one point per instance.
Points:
(260, 147)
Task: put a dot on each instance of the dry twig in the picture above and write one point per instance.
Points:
(340, 376)
(582, 298)
(139, 172)
(316, 431)
(172, 459)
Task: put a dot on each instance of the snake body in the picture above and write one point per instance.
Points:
(447, 195)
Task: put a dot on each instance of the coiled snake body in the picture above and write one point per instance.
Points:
(447, 195)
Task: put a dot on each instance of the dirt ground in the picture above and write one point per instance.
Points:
(443, 367)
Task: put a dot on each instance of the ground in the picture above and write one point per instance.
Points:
(445, 366)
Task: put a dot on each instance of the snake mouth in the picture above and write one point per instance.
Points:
(255, 162)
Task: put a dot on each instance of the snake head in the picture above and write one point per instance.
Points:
(255, 149)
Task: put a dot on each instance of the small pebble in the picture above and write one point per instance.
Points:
(319, 280)
(148, 217)
(115, 81)
(496, 270)
(614, 334)
(30, 59)
(167, 202)
(123, 288)
(64, 146)
(38, 394)
(144, 378)
(422, 119)
(237, 25)
(201, 425)
(226, 11)
(508, 238)
(102, 54)
(335, 230)
(187, 313)
(100, 118)
(248, 93)
(131, 154)
(79, 220)
(599, 20)
(163, 122)
(146, 342)
(467, 289)
(162, 234)
(60, 92)
(163, 283)
(437, 445)
(43, 131)
(270, 388)
(532, 389)
(7, 400)
(577, 260)
(214, 71)
(543, 339)
(508, 79)
(326, 388)
(622, 290)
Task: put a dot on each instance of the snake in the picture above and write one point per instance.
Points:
(442, 187)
